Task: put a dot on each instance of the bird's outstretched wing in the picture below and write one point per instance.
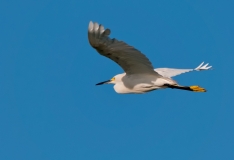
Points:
(130, 59)
(171, 72)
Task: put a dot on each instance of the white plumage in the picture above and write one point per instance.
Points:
(172, 72)
(139, 76)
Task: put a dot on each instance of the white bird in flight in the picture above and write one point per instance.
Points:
(139, 76)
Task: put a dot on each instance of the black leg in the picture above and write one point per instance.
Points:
(178, 87)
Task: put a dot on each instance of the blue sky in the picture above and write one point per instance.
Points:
(50, 108)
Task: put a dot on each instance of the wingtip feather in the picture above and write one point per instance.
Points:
(90, 26)
(203, 67)
(199, 66)
(96, 32)
(209, 67)
(95, 26)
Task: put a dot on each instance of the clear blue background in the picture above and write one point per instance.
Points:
(50, 108)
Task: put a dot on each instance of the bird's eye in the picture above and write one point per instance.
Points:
(112, 79)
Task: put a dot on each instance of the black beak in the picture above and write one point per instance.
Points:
(103, 82)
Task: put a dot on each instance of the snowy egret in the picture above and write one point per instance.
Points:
(139, 76)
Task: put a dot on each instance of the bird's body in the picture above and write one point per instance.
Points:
(139, 76)
(140, 83)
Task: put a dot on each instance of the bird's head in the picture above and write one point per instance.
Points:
(114, 80)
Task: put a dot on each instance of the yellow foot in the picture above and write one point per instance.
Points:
(197, 89)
